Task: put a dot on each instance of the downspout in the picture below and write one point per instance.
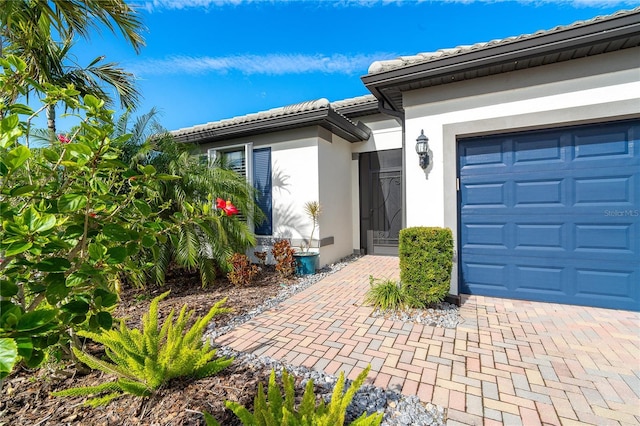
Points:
(399, 117)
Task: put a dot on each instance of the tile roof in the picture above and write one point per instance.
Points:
(351, 102)
(403, 61)
(315, 112)
(258, 116)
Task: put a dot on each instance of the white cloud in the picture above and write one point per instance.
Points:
(272, 64)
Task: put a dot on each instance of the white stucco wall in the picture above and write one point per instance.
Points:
(600, 88)
(294, 162)
(334, 155)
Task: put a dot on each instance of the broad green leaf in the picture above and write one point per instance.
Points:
(56, 288)
(25, 346)
(99, 186)
(35, 319)
(108, 298)
(8, 356)
(79, 150)
(93, 102)
(8, 288)
(45, 223)
(148, 241)
(78, 307)
(105, 320)
(74, 231)
(148, 170)
(17, 248)
(143, 207)
(53, 264)
(97, 251)
(115, 232)
(75, 279)
(16, 157)
(21, 190)
(35, 360)
(71, 202)
(51, 155)
(116, 255)
(9, 123)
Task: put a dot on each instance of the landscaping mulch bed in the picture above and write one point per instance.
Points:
(25, 397)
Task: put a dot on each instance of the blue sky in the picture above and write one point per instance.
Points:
(207, 60)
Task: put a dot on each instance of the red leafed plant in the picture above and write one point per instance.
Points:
(242, 271)
(283, 254)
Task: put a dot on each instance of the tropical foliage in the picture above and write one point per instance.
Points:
(143, 360)
(273, 409)
(28, 31)
(74, 219)
(205, 244)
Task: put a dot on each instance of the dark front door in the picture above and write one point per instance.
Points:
(380, 201)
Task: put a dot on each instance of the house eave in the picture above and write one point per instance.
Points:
(325, 117)
(554, 46)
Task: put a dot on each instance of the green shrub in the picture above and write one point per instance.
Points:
(272, 409)
(426, 257)
(143, 360)
(384, 294)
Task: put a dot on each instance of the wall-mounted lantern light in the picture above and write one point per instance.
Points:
(422, 148)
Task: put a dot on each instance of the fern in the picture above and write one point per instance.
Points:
(143, 360)
(273, 410)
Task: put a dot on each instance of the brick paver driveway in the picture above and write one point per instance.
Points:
(509, 362)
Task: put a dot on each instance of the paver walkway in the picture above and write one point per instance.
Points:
(509, 362)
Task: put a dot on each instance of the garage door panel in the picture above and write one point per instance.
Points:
(604, 238)
(486, 156)
(540, 192)
(615, 186)
(486, 236)
(486, 194)
(541, 279)
(612, 145)
(558, 220)
(610, 282)
(540, 236)
(536, 151)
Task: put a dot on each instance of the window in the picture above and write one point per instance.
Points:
(262, 183)
(257, 171)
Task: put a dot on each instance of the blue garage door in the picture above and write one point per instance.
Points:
(553, 215)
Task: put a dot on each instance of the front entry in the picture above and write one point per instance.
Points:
(380, 201)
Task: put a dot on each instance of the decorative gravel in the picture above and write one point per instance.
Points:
(441, 315)
(399, 410)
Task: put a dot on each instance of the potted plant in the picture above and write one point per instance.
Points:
(306, 260)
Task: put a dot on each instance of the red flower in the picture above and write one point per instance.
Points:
(226, 206)
(92, 214)
(63, 138)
